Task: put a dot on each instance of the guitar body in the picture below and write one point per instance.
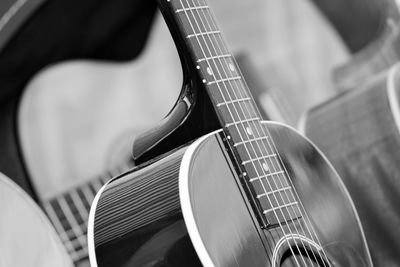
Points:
(380, 51)
(359, 133)
(250, 194)
(27, 237)
(200, 182)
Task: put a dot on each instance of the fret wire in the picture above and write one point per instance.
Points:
(246, 149)
(234, 101)
(270, 147)
(238, 77)
(265, 176)
(221, 62)
(60, 214)
(83, 212)
(274, 191)
(67, 212)
(80, 254)
(56, 222)
(220, 75)
(87, 192)
(69, 235)
(76, 246)
(258, 159)
(236, 110)
(202, 33)
(243, 112)
(280, 207)
(251, 140)
(191, 8)
(214, 57)
(83, 197)
(225, 80)
(68, 238)
(242, 121)
(72, 207)
(230, 97)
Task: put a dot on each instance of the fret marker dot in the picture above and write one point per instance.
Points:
(209, 71)
(249, 131)
(244, 174)
(198, 67)
(204, 81)
(231, 67)
(265, 167)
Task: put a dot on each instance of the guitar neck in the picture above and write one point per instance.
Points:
(212, 59)
(215, 66)
(220, 76)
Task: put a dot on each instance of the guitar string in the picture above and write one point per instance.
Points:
(205, 56)
(56, 222)
(282, 184)
(241, 95)
(309, 224)
(313, 234)
(73, 221)
(238, 87)
(290, 180)
(244, 114)
(68, 239)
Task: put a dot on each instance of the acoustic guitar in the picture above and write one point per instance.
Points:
(359, 132)
(68, 163)
(378, 56)
(251, 193)
(27, 237)
(30, 42)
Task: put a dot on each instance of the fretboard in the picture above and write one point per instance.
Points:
(69, 213)
(260, 165)
(218, 70)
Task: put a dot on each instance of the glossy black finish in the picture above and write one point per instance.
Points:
(138, 221)
(191, 117)
(223, 215)
(179, 113)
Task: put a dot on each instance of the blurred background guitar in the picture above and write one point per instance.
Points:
(359, 132)
(27, 237)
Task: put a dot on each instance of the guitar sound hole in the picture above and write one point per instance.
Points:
(301, 257)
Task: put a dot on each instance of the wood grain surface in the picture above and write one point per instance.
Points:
(359, 133)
